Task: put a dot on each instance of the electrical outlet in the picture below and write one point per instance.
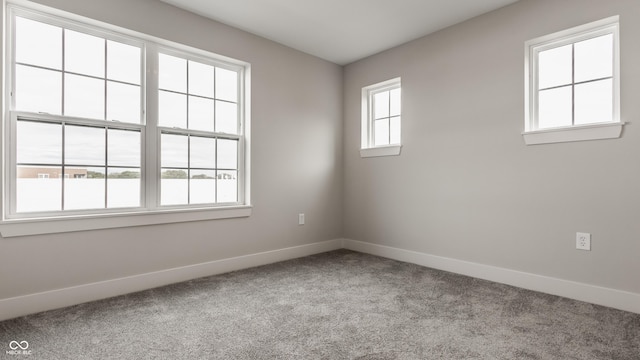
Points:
(300, 219)
(583, 241)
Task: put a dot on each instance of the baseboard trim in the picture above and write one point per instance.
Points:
(49, 300)
(574, 290)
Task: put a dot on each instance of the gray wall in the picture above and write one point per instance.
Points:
(465, 186)
(296, 157)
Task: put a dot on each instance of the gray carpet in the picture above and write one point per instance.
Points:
(338, 305)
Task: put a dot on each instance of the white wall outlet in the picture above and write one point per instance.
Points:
(300, 219)
(583, 241)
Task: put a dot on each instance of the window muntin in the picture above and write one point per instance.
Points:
(197, 96)
(198, 169)
(386, 117)
(83, 152)
(67, 82)
(573, 78)
(60, 71)
(198, 118)
(575, 83)
(75, 167)
(382, 107)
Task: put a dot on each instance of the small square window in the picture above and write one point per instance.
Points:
(572, 84)
(381, 119)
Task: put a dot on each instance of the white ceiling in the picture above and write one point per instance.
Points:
(341, 31)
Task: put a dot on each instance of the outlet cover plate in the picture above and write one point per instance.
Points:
(583, 241)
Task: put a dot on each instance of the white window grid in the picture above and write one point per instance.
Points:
(63, 165)
(189, 133)
(533, 48)
(150, 170)
(368, 106)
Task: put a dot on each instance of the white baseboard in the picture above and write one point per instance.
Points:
(574, 290)
(49, 300)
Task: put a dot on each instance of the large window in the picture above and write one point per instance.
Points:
(105, 122)
(198, 114)
(381, 119)
(572, 83)
(74, 96)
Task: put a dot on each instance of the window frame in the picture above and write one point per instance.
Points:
(533, 135)
(150, 211)
(190, 56)
(367, 148)
(10, 211)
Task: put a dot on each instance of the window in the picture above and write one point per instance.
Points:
(198, 114)
(381, 119)
(78, 137)
(572, 84)
(74, 95)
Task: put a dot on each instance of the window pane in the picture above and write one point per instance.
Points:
(38, 90)
(84, 145)
(594, 58)
(203, 187)
(96, 164)
(395, 102)
(38, 43)
(83, 97)
(555, 108)
(123, 62)
(39, 143)
(174, 151)
(554, 67)
(82, 191)
(173, 73)
(203, 152)
(123, 102)
(227, 154)
(227, 186)
(174, 187)
(381, 105)
(123, 147)
(394, 130)
(381, 132)
(226, 117)
(594, 102)
(200, 114)
(201, 79)
(83, 54)
(123, 187)
(39, 189)
(226, 85)
(173, 110)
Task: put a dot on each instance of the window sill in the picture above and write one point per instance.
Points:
(392, 150)
(575, 133)
(24, 227)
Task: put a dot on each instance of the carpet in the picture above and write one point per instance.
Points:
(336, 305)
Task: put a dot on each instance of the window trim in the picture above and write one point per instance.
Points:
(367, 149)
(605, 130)
(389, 150)
(148, 213)
(240, 136)
(60, 224)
